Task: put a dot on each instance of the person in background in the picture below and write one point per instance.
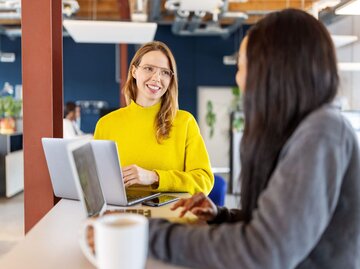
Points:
(300, 160)
(71, 128)
(159, 145)
(78, 117)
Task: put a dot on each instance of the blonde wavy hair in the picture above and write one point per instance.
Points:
(169, 101)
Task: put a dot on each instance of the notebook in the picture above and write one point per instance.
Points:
(107, 164)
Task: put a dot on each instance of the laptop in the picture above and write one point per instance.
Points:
(107, 164)
(82, 163)
(58, 164)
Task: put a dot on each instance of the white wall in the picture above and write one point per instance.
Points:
(349, 81)
(218, 145)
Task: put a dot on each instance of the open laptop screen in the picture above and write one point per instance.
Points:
(89, 180)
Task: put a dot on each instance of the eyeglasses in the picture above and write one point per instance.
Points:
(165, 73)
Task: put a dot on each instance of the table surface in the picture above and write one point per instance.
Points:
(53, 242)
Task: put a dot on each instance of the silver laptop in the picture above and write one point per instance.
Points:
(82, 163)
(59, 167)
(108, 168)
(111, 179)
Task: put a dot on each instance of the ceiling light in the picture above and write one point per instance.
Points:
(350, 8)
(343, 40)
(113, 32)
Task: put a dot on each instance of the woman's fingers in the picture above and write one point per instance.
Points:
(143, 176)
(128, 170)
(199, 204)
(131, 182)
(129, 177)
(194, 201)
(129, 174)
(200, 211)
(186, 205)
(178, 204)
(183, 202)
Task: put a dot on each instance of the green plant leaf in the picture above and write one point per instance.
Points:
(236, 91)
(10, 107)
(210, 118)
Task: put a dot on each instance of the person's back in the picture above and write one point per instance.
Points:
(339, 245)
(308, 216)
(300, 163)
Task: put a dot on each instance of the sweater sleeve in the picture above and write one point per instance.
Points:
(227, 215)
(293, 212)
(197, 175)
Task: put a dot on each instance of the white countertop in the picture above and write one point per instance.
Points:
(53, 242)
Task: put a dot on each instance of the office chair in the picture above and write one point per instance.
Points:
(218, 192)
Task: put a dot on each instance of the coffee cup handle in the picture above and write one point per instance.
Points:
(83, 241)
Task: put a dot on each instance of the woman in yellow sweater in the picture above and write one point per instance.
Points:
(158, 144)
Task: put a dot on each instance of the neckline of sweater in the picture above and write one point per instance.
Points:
(136, 106)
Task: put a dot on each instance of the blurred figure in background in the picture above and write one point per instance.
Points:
(71, 122)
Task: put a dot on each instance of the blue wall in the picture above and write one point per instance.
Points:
(89, 74)
(10, 72)
(200, 63)
(89, 69)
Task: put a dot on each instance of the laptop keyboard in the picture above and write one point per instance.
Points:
(144, 212)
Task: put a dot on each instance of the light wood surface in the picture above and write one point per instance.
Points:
(53, 242)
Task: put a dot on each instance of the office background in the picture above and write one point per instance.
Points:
(89, 69)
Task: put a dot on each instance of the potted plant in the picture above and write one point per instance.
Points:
(237, 111)
(10, 110)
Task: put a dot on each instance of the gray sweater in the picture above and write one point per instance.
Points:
(307, 217)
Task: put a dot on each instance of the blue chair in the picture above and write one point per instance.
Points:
(218, 192)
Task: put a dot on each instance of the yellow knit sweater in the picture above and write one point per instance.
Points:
(181, 161)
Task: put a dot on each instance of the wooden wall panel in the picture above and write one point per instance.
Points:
(265, 5)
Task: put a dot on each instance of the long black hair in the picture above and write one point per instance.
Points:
(291, 71)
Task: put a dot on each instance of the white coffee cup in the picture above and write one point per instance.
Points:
(121, 241)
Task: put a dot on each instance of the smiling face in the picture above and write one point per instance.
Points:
(151, 83)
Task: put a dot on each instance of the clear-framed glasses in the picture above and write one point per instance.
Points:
(165, 73)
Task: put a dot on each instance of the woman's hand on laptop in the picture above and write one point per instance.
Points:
(199, 204)
(134, 174)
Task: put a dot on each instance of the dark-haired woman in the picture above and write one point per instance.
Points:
(300, 203)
